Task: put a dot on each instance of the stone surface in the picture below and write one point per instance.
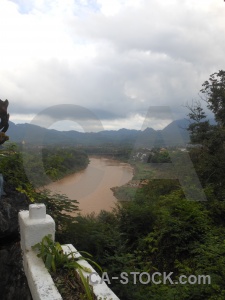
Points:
(37, 211)
(32, 230)
(100, 289)
(40, 281)
(13, 283)
(10, 205)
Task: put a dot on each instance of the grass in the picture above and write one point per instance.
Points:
(142, 171)
(128, 191)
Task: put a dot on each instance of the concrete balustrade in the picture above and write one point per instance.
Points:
(34, 225)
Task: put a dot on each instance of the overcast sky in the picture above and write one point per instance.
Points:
(115, 58)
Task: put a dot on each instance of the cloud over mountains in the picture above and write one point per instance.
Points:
(115, 58)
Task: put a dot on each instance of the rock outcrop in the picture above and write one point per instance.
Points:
(13, 282)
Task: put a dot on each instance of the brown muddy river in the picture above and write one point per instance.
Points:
(91, 187)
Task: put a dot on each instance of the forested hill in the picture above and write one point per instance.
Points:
(175, 133)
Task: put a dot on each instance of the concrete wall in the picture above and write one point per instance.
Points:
(34, 225)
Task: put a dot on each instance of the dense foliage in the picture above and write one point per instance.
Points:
(122, 153)
(160, 230)
(12, 161)
(55, 163)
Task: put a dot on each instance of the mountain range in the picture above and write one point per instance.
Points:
(174, 134)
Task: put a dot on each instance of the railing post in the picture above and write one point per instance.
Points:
(34, 225)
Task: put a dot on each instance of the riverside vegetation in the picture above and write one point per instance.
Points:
(157, 229)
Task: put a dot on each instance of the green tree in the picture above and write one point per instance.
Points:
(214, 91)
(199, 127)
(59, 207)
(12, 168)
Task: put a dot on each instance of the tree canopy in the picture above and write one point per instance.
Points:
(214, 92)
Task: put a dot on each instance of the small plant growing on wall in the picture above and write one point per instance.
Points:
(64, 269)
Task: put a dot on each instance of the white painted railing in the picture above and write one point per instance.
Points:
(34, 225)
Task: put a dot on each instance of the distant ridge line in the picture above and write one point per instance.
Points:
(37, 135)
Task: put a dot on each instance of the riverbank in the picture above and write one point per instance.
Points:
(142, 173)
